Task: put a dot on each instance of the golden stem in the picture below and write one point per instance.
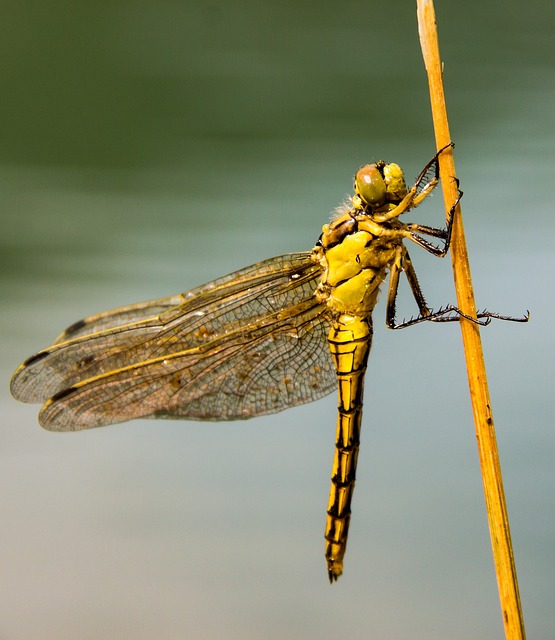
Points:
(479, 394)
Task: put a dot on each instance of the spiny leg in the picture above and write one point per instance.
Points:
(434, 162)
(424, 185)
(441, 315)
(410, 201)
(445, 314)
(444, 234)
(482, 318)
(402, 263)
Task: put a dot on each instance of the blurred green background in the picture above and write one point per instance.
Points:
(147, 147)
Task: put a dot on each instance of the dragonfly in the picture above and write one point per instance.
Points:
(280, 333)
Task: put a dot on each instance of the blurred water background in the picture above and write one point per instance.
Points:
(147, 147)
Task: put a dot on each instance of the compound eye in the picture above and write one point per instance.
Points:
(395, 181)
(370, 185)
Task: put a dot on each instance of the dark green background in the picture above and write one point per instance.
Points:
(146, 147)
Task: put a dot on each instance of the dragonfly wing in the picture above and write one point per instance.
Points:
(253, 276)
(204, 314)
(267, 366)
(257, 304)
(118, 317)
(53, 369)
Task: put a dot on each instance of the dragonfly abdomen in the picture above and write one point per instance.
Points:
(349, 340)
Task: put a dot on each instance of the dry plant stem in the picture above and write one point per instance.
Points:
(479, 394)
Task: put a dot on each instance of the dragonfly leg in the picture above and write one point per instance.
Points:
(433, 164)
(449, 313)
(444, 234)
(429, 177)
(401, 263)
(482, 318)
(410, 201)
(422, 188)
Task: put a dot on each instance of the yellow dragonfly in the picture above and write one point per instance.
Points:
(280, 333)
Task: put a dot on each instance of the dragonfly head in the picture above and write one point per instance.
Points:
(378, 184)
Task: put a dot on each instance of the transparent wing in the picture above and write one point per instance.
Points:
(257, 275)
(251, 343)
(120, 316)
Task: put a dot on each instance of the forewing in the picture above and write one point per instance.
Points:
(208, 322)
(203, 315)
(117, 317)
(257, 275)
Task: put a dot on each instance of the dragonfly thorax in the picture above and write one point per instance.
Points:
(354, 263)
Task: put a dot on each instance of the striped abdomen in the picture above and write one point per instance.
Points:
(349, 341)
